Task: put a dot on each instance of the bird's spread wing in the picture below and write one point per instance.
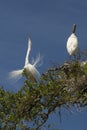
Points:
(28, 51)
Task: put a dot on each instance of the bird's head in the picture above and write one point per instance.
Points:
(74, 28)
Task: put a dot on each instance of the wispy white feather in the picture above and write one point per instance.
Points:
(37, 61)
(16, 75)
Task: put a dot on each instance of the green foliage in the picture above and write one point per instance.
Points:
(30, 107)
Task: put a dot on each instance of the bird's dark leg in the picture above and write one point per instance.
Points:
(75, 57)
(78, 54)
(70, 58)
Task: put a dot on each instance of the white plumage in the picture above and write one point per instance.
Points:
(72, 43)
(31, 71)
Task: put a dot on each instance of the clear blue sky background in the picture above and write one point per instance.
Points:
(49, 23)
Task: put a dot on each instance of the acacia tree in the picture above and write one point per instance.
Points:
(61, 86)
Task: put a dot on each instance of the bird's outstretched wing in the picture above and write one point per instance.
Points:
(28, 51)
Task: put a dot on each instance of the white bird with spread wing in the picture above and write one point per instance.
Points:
(30, 69)
(72, 42)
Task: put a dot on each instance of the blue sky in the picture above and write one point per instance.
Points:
(49, 23)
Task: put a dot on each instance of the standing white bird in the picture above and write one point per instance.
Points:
(72, 42)
(30, 69)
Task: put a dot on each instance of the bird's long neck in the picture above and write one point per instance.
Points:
(28, 51)
(27, 55)
(74, 28)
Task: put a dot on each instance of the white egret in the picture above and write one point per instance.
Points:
(72, 42)
(30, 69)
